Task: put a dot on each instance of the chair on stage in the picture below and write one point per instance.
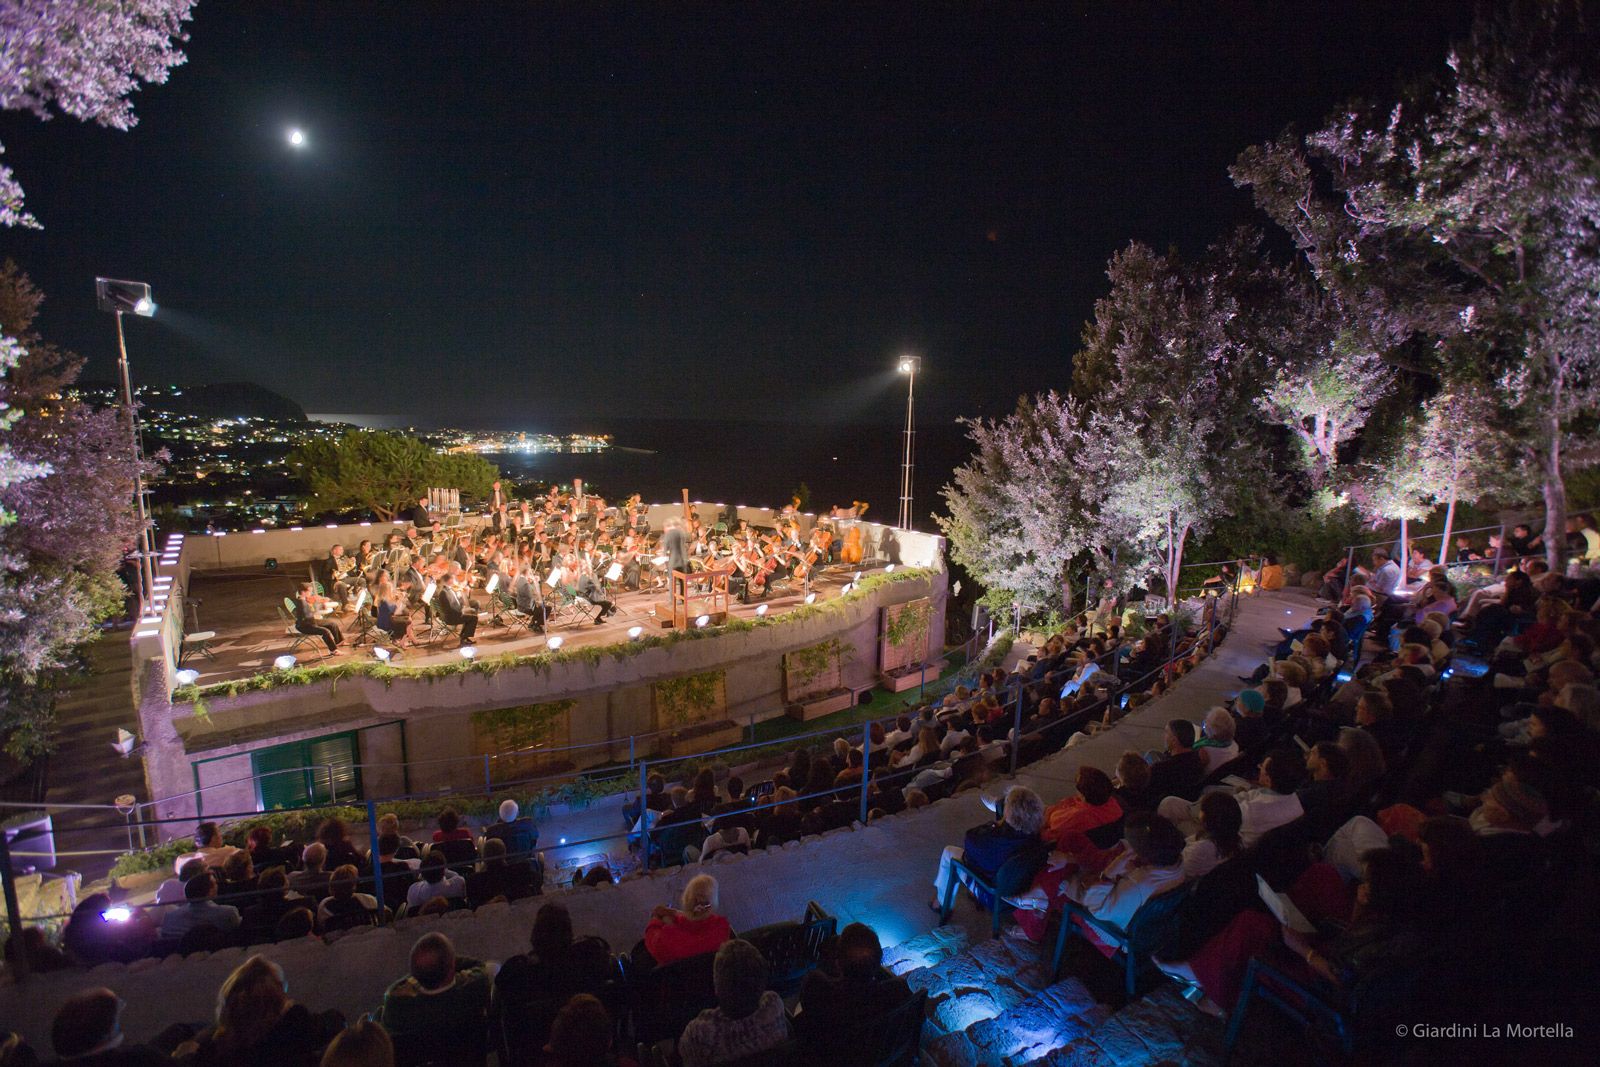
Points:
(438, 629)
(292, 631)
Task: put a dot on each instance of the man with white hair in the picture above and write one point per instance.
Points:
(520, 834)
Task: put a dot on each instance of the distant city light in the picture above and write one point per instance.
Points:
(297, 138)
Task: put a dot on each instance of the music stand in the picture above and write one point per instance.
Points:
(715, 584)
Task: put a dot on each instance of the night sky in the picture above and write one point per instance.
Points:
(506, 212)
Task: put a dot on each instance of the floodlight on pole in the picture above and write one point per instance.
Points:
(909, 366)
(120, 297)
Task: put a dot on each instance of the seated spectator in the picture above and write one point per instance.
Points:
(88, 1029)
(208, 848)
(1217, 745)
(257, 1023)
(263, 854)
(90, 938)
(1093, 806)
(1375, 715)
(335, 838)
(238, 879)
(389, 823)
(259, 915)
(171, 890)
(692, 929)
(748, 1019)
(988, 846)
(558, 966)
(32, 944)
(780, 823)
(519, 833)
(1149, 862)
(1272, 577)
(1180, 772)
(344, 908)
(200, 908)
(499, 878)
(849, 989)
(311, 880)
(363, 1044)
(438, 880)
(397, 874)
(582, 1035)
(1271, 804)
(1250, 729)
(450, 828)
(1329, 768)
(444, 994)
(1217, 839)
(1133, 783)
(297, 924)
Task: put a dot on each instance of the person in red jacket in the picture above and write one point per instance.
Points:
(692, 929)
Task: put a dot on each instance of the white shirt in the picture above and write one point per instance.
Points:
(419, 893)
(1200, 857)
(1216, 757)
(1263, 809)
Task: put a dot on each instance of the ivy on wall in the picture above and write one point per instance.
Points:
(908, 622)
(688, 699)
(522, 727)
(805, 666)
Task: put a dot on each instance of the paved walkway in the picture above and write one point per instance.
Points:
(878, 874)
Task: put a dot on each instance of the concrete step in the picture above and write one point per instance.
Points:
(995, 976)
(1161, 1027)
(925, 950)
(1039, 1025)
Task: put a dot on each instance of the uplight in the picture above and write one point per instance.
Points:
(702, 622)
(811, 598)
(284, 662)
(554, 642)
(382, 654)
(635, 632)
(187, 676)
(468, 651)
(761, 611)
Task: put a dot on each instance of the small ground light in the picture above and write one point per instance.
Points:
(284, 662)
(116, 915)
(468, 651)
(187, 676)
(702, 622)
(889, 569)
(554, 643)
(635, 632)
(382, 654)
(761, 610)
(811, 598)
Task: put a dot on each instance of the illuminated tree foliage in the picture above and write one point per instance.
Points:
(83, 58)
(70, 523)
(381, 472)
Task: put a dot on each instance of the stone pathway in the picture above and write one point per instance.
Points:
(879, 874)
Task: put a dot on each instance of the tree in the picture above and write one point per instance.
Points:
(381, 472)
(1463, 223)
(84, 58)
(1023, 508)
(72, 523)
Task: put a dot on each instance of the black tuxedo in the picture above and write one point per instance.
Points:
(453, 610)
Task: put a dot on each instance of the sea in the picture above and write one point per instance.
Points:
(755, 463)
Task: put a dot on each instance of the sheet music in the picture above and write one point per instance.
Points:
(493, 583)
(428, 591)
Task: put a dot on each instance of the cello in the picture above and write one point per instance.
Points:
(851, 550)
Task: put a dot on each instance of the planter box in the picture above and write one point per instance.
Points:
(908, 678)
(702, 737)
(818, 706)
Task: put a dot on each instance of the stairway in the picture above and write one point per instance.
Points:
(84, 769)
(992, 1005)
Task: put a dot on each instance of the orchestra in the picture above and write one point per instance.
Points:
(526, 560)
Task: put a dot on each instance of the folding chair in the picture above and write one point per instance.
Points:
(438, 629)
(291, 631)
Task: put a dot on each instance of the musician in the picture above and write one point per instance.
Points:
(343, 577)
(368, 559)
(453, 604)
(528, 593)
(418, 514)
(675, 544)
(307, 604)
(391, 610)
(578, 577)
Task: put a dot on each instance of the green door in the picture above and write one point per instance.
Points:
(305, 773)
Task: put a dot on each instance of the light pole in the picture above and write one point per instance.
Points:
(118, 297)
(909, 366)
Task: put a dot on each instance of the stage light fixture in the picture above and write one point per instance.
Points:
(635, 633)
(187, 676)
(811, 598)
(284, 662)
(468, 651)
(761, 611)
(554, 642)
(702, 622)
(847, 587)
(889, 569)
(381, 653)
(116, 915)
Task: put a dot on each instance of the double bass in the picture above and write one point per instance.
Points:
(851, 550)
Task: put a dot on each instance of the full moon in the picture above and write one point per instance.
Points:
(297, 138)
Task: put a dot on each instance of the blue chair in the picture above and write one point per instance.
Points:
(1307, 1006)
(1015, 875)
(1146, 932)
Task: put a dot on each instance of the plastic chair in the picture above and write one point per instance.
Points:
(1015, 875)
(1148, 929)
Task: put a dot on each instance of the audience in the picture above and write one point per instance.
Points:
(442, 993)
(199, 910)
(691, 929)
(749, 1018)
(257, 1023)
(88, 1030)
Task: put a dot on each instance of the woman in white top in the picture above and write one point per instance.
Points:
(1217, 840)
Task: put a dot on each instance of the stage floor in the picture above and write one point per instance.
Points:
(250, 634)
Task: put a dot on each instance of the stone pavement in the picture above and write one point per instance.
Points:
(879, 874)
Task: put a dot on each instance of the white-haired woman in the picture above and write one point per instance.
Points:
(691, 929)
(1217, 742)
(989, 846)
